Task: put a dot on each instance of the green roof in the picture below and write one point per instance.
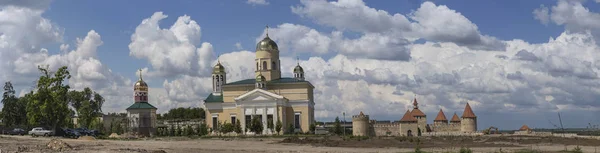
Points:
(141, 105)
(253, 81)
(214, 99)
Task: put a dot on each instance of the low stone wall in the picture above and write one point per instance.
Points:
(452, 133)
(445, 127)
(391, 129)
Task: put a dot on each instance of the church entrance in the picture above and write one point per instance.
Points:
(409, 133)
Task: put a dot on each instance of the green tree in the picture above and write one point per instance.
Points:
(88, 105)
(291, 129)
(172, 131)
(227, 128)
(238, 127)
(50, 104)
(256, 126)
(14, 109)
(278, 126)
(312, 128)
(178, 131)
(337, 126)
(203, 129)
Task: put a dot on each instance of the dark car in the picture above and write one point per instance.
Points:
(70, 133)
(17, 131)
(82, 131)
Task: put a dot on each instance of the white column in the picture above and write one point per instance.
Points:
(243, 120)
(264, 120)
(275, 117)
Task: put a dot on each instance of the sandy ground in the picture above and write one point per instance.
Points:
(184, 145)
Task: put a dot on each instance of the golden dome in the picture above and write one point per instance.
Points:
(218, 68)
(298, 69)
(260, 78)
(267, 45)
(140, 84)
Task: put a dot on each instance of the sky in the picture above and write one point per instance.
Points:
(515, 62)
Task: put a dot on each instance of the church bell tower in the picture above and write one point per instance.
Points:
(267, 59)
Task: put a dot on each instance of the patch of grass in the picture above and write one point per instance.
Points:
(528, 151)
(577, 149)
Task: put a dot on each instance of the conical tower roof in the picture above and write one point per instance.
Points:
(408, 117)
(441, 116)
(455, 118)
(468, 113)
(524, 128)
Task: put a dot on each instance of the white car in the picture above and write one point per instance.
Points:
(38, 131)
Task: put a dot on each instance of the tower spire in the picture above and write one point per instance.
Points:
(140, 70)
(298, 60)
(267, 30)
(219, 58)
(415, 103)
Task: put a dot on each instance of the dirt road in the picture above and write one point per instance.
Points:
(269, 145)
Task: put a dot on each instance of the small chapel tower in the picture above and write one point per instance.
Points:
(141, 115)
(298, 71)
(218, 78)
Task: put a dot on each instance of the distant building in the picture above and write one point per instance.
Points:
(141, 115)
(414, 123)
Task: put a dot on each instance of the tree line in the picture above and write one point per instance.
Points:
(182, 113)
(51, 104)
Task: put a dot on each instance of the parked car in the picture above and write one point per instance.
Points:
(83, 131)
(17, 131)
(70, 133)
(38, 131)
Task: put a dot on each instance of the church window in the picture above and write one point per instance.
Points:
(264, 67)
(297, 120)
(248, 120)
(215, 122)
(273, 66)
(233, 119)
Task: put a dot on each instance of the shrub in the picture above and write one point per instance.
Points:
(465, 150)
(312, 128)
(256, 126)
(278, 126)
(227, 128)
(290, 129)
(238, 127)
(202, 129)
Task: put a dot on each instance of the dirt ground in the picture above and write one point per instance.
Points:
(293, 145)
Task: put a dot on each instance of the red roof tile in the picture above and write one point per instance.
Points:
(524, 128)
(455, 118)
(408, 117)
(468, 113)
(416, 112)
(441, 116)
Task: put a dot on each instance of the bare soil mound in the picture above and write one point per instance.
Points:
(113, 135)
(86, 138)
(59, 145)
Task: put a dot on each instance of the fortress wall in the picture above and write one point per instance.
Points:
(452, 133)
(445, 127)
(386, 129)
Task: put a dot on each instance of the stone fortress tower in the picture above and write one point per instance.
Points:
(360, 125)
(414, 123)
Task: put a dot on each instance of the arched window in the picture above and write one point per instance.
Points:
(264, 65)
(273, 66)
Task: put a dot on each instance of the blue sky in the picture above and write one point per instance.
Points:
(371, 56)
(225, 23)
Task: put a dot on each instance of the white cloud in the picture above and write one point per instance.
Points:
(23, 30)
(542, 14)
(238, 46)
(435, 23)
(258, 2)
(575, 17)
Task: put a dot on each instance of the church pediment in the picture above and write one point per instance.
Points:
(259, 95)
